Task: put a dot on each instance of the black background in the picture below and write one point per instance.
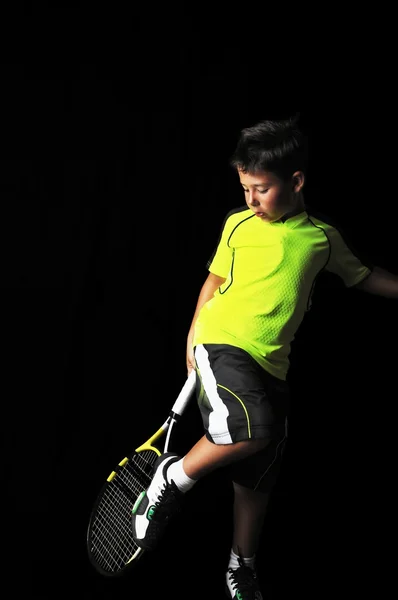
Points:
(114, 184)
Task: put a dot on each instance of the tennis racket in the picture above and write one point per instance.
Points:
(111, 548)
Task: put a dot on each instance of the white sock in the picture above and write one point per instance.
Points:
(176, 473)
(234, 561)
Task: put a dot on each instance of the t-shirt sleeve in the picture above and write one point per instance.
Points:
(220, 261)
(344, 261)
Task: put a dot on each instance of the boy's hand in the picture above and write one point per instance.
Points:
(190, 357)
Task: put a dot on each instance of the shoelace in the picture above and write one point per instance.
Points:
(167, 503)
(244, 579)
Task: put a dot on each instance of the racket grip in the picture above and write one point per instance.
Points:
(185, 393)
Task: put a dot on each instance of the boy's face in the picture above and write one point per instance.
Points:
(268, 196)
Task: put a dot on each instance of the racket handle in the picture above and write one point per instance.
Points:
(185, 393)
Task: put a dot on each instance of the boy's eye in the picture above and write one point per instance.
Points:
(261, 191)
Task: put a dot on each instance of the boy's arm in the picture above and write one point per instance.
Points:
(381, 283)
(209, 287)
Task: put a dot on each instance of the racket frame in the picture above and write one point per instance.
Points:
(175, 413)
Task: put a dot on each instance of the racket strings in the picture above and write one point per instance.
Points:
(111, 541)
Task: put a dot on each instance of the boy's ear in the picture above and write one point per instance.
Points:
(298, 181)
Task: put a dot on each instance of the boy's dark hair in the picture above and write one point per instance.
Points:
(278, 146)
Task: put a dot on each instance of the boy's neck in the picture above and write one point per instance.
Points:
(298, 208)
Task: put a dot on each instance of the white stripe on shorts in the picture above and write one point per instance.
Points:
(218, 424)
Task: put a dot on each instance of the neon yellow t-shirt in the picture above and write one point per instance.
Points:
(270, 271)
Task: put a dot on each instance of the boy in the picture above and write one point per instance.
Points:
(261, 279)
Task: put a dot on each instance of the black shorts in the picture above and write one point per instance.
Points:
(238, 401)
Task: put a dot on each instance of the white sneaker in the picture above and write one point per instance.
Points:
(242, 583)
(156, 505)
